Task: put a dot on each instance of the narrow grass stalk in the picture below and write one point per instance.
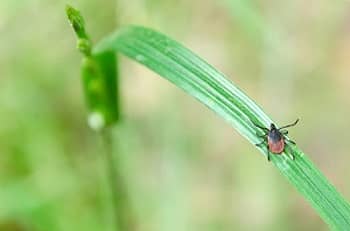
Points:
(119, 197)
(100, 85)
(199, 79)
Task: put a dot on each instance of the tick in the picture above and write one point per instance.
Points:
(275, 139)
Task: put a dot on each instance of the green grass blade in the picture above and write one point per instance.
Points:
(196, 77)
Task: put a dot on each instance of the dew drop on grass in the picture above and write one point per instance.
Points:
(299, 153)
(96, 121)
(168, 49)
(140, 58)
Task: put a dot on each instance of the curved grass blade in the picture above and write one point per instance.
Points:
(196, 77)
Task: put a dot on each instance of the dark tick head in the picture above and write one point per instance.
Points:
(272, 127)
(274, 134)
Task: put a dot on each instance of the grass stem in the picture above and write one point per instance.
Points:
(119, 198)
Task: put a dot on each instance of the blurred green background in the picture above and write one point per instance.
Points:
(185, 168)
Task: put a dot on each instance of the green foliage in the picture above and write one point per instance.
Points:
(78, 24)
(99, 76)
(196, 77)
(187, 71)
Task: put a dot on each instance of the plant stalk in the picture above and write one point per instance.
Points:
(121, 206)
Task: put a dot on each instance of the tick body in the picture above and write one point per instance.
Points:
(274, 138)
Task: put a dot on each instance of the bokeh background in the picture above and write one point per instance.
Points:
(185, 168)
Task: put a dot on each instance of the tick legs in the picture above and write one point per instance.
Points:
(291, 142)
(289, 125)
(284, 132)
(267, 148)
(263, 128)
(261, 135)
